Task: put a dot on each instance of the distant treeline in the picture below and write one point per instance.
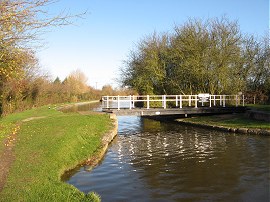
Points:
(210, 56)
(27, 92)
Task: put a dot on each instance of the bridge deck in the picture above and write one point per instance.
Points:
(175, 111)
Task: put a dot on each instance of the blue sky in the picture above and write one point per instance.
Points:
(99, 43)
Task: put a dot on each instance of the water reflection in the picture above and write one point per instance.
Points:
(94, 106)
(154, 161)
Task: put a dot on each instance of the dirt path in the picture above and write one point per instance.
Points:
(7, 156)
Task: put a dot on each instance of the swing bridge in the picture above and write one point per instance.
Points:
(158, 105)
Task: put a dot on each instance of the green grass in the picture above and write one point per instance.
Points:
(265, 108)
(235, 121)
(47, 147)
(6, 128)
(8, 123)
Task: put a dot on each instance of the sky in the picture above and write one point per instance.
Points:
(98, 43)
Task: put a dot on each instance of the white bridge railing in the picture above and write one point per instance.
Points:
(172, 101)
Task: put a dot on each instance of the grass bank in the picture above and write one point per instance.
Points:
(263, 108)
(48, 142)
(230, 120)
(234, 122)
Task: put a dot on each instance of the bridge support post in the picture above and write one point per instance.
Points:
(130, 102)
(164, 101)
(189, 100)
(181, 106)
(243, 101)
(224, 99)
(236, 101)
(196, 102)
(210, 101)
(147, 101)
(118, 102)
(133, 104)
(107, 103)
(176, 100)
(214, 100)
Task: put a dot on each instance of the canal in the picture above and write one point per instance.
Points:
(161, 161)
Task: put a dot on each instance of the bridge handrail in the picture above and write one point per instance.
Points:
(213, 100)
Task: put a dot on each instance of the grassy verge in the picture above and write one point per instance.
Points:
(231, 121)
(46, 146)
(265, 108)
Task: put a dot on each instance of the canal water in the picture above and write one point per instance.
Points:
(93, 106)
(160, 161)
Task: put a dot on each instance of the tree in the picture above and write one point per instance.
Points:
(210, 56)
(57, 81)
(76, 84)
(107, 90)
(257, 68)
(145, 69)
(21, 24)
(14, 83)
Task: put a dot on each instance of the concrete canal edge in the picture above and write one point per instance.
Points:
(106, 140)
(258, 115)
(92, 161)
(253, 131)
(67, 106)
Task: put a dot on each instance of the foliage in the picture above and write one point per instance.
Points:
(22, 86)
(21, 24)
(257, 55)
(210, 56)
(66, 140)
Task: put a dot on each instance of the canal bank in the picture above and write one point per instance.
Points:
(106, 140)
(87, 108)
(235, 123)
(49, 142)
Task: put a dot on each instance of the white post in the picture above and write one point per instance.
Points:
(164, 96)
(196, 102)
(220, 100)
(224, 98)
(118, 102)
(181, 101)
(189, 100)
(214, 100)
(202, 102)
(176, 100)
(243, 100)
(130, 102)
(210, 100)
(107, 104)
(236, 101)
(147, 101)
(133, 104)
